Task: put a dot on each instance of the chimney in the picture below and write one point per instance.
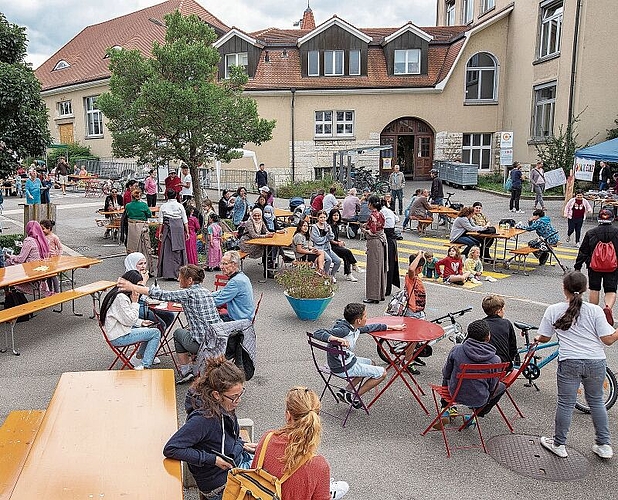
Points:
(308, 21)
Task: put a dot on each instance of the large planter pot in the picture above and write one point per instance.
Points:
(308, 309)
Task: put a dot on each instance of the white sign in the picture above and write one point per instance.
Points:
(506, 156)
(387, 163)
(554, 178)
(584, 169)
(506, 140)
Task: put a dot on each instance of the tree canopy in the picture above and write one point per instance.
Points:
(171, 107)
(23, 115)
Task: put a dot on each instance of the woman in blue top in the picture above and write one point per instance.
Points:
(240, 206)
(33, 188)
(516, 178)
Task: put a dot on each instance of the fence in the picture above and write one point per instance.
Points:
(232, 179)
(112, 169)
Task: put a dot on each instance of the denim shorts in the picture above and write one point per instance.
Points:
(364, 368)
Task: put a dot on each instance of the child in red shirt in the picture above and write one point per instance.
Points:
(453, 271)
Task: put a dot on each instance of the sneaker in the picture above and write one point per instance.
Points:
(136, 362)
(334, 279)
(603, 450)
(577, 244)
(187, 377)
(558, 450)
(520, 212)
(513, 210)
(347, 397)
(156, 361)
(475, 281)
(469, 422)
(350, 277)
(338, 489)
(139, 367)
(412, 369)
(357, 269)
(419, 362)
(568, 238)
(491, 279)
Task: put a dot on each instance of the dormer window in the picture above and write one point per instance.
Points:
(333, 62)
(313, 58)
(408, 62)
(239, 59)
(355, 62)
(61, 65)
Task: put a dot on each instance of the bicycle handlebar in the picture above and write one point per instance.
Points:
(452, 315)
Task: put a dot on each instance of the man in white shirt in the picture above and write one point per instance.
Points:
(187, 184)
(330, 201)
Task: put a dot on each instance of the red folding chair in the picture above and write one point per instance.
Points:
(467, 372)
(514, 374)
(327, 376)
(123, 353)
(220, 281)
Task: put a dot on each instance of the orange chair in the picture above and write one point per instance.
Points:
(514, 374)
(123, 353)
(467, 372)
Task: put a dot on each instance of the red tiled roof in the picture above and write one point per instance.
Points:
(86, 51)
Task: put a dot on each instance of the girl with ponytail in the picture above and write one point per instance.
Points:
(583, 333)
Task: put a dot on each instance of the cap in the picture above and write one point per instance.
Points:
(265, 189)
(606, 216)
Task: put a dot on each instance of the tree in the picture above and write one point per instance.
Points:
(171, 107)
(23, 115)
(612, 133)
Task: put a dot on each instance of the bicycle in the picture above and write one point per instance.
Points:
(362, 178)
(533, 370)
(454, 331)
(450, 204)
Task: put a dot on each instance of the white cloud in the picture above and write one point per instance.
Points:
(52, 23)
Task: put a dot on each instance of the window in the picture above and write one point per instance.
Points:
(61, 65)
(408, 62)
(551, 28)
(544, 103)
(450, 12)
(467, 11)
(313, 60)
(239, 59)
(334, 123)
(94, 118)
(481, 78)
(355, 65)
(65, 108)
(333, 62)
(487, 5)
(477, 150)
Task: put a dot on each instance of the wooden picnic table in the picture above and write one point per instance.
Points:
(278, 240)
(102, 436)
(503, 235)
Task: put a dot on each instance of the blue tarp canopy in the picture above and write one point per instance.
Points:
(604, 151)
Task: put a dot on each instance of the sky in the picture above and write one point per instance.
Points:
(52, 23)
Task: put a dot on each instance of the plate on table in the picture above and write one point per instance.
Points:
(162, 305)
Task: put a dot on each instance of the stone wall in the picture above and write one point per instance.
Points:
(448, 146)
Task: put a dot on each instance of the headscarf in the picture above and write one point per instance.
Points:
(269, 217)
(131, 260)
(259, 223)
(33, 230)
(134, 277)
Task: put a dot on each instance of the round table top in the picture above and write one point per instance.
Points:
(416, 330)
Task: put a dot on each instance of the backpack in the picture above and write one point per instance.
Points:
(508, 185)
(604, 258)
(257, 484)
(398, 303)
(13, 298)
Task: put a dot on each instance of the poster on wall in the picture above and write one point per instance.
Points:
(554, 178)
(387, 163)
(584, 169)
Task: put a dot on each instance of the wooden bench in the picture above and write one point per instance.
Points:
(10, 315)
(423, 224)
(17, 434)
(521, 254)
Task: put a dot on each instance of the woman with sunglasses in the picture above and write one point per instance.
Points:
(209, 441)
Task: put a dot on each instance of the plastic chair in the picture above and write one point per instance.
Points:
(220, 281)
(467, 372)
(510, 378)
(327, 376)
(124, 354)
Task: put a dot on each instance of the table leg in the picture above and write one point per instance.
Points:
(164, 346)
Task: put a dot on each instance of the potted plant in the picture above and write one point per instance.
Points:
(307, 291)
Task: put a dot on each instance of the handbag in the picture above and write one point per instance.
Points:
(488, 230)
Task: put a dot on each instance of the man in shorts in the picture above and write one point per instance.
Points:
(62, 174)
(346, 332)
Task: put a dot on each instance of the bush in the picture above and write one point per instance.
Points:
(303, 282)
(75, 151)
(8, 241)
(305, 188)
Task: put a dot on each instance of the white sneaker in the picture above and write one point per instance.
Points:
(359, 270)
(334, 279)
(338, 489)
(136, 362)
(350, 277)
(156, 361)
(475, 281)
(513, 210)
(491, 279)
(520, 212)
(603, 450)
(138, 367)
(568, 238)
(578, 244)
(559, 450)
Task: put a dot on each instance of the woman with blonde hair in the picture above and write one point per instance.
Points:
(293, 448)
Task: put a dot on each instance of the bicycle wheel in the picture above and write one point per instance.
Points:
(395, 347)
(609, 393)
(382, 187)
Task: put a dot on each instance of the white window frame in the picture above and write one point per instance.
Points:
(407, 53)
(334, 123)
(315, 55)
(65, 108)
(62, 64)
(94, 117)
(337, 63)
(484, 150)
(236, 59)
(467, 11)
(483, 72)
(487, 5)
(354, 55)
(544, 111)
(549, 23)
(449, 17)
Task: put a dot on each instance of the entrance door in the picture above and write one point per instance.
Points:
(66, 133)
(412, 140)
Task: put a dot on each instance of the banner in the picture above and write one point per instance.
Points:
(584, 169)
(554, 178)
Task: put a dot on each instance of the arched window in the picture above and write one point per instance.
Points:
(61, 65)
(482, 78)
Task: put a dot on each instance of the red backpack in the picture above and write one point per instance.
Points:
(604, 258)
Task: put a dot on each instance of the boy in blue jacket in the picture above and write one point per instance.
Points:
(346, 332)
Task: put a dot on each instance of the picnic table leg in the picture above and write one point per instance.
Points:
(11, 325)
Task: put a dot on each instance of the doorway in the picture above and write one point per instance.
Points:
(412, 142)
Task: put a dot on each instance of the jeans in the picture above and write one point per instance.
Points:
(331, 257)
(469, 241)
(440, 201)
(397, 194)
(514, 201)
(575, 225)
(538, 195)
(149, 338)
(155, 316)
(591, 374)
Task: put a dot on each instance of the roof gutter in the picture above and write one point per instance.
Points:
(574, 61)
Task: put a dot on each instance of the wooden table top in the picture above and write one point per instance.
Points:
(278, 240)
(102, 437)
(40, 269)
(440, 209)
(280, 212)
(500, 233)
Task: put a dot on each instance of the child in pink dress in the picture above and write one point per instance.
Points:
(191, 242)
(214, 243)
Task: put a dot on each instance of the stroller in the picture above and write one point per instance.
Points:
(298, 209)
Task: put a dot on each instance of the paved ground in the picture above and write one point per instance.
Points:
(381, 455)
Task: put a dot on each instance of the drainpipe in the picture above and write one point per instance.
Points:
(293, 91)
(574, 61)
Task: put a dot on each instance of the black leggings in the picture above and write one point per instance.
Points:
(346, 255)
(515, 195)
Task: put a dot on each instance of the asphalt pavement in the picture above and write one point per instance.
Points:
(381, 455)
